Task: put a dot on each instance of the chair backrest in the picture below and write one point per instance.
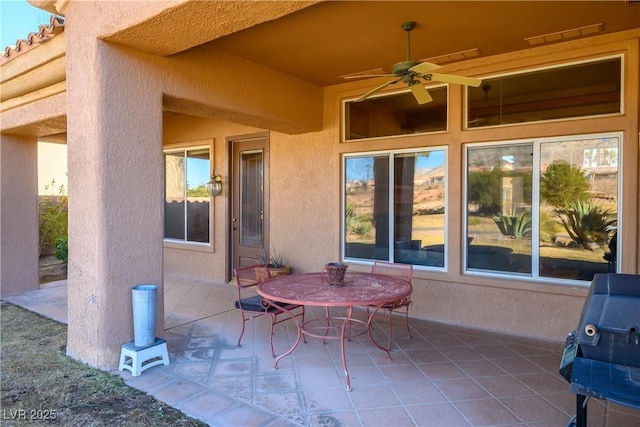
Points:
(247, 276)
(404, 271)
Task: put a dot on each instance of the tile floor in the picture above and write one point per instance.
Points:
(444, 376)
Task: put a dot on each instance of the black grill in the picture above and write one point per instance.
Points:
(602, 356)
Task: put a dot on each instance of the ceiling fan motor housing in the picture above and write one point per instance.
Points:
(408, 26)
(402, 67)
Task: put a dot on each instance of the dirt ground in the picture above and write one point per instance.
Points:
(41, 386)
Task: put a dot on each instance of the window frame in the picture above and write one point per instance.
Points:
(391, 155)
(184, 243)
(535, 276)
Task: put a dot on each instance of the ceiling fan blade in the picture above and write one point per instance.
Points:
(420, 93)
(450, 78)
(377, 89)
(369, 75)
(423, 67)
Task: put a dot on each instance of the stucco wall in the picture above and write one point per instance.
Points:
(18, 215)
(305, 200)
(115, 189)
(299, 184)
(527, 313)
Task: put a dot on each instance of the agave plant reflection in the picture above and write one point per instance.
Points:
(587, 225)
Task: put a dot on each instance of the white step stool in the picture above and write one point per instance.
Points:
(137, 359)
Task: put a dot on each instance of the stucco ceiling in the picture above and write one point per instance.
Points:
(325, 41)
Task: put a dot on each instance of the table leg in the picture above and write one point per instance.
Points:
(328, 319)
(347, 321)
(387, 349)
(336, 328)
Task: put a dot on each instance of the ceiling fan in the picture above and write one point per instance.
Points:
(409, 72)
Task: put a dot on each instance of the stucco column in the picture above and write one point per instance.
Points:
(18, 215)
(115, 167)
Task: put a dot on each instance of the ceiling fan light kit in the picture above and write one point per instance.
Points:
(410, 72)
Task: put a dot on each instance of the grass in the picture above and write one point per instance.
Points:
(42, 386)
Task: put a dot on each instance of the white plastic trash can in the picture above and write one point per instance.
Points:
(144, 314)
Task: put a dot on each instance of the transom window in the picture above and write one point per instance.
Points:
(576, 90)
(186, 204)
(395, 206)
(395, 114)
(545, 208)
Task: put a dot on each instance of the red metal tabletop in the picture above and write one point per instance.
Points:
(312, 289)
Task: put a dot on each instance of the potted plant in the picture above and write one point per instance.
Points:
(273, 262)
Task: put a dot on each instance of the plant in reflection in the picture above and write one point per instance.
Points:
(587, 225)
(566, 187)
(563, 184)
(516, 226)
(549, 226)
(484, 191)
(359, 225)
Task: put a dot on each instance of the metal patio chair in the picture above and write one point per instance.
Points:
(255, 306)
(404, 271)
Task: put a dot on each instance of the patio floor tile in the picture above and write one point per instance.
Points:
(534, 409)
(443, 376)
(486, 412)
(442, 414)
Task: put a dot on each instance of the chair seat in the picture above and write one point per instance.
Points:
(256, 303)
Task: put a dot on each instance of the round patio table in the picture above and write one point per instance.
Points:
(311, 289)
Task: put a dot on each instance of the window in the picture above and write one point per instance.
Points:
(577, 90)
(186, 204)
(397, 197)
(545, 208)
(396, 114)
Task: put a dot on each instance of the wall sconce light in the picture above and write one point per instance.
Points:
(214, 187)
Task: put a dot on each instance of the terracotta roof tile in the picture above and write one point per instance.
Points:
(44, 34)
